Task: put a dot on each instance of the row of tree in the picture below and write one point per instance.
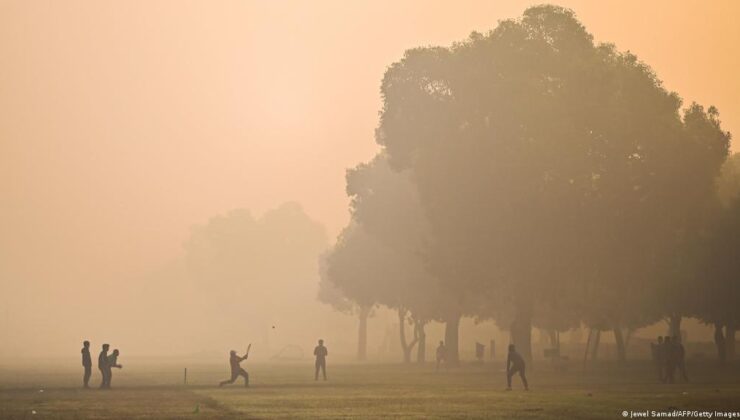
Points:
(536, 178)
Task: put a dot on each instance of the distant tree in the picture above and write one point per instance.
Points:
(690, 207)
(368, 272)
(238, 263)
(353, 266)
(331, 295)
(649, 216)
(386, 204)
(717, 290)
(718, 300)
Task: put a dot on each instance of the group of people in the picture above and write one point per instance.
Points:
(237, 371)
(106, 363)
(669, 355)
(514, 364)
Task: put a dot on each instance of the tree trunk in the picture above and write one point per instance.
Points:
(521, 331)
(421, 350)
(674, 325)
(402, 334)
(588, 345)
(621, 345)
(452, 326)
(362, 335)
(552, 336)
(595, 345)
(405, 346)
(719, 342)
(730, 339)
(628, 336)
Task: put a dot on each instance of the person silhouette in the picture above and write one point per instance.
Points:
(103, 366)
(515, 364)
(320, 352)
(112, 363)
(86, 363)
(236, 370)
(441, 354)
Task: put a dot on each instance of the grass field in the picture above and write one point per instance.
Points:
(364, 391)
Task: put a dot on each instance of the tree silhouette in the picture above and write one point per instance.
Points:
(239, 263)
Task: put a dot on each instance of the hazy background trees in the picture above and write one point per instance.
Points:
(222, 294)
(239, 262)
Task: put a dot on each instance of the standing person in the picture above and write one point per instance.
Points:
(659, 358)
(112, 363)
(103, 366)
(680, 356)
(670, 359)
(236, 370)
(441, 354)
(320, 352)
(86, 363)
(514, 364)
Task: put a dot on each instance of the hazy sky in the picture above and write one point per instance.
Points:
(124, 123)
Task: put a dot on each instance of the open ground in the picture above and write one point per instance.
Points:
(366, 391)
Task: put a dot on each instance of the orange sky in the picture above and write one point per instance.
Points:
(124, 123)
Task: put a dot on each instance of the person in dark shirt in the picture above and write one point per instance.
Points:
(112, 363)
(103, 366)
(86, 363)
(320, 352)
(236, 370)
(515, 364)
(441, 354)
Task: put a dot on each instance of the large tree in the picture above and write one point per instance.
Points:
(540, 157)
